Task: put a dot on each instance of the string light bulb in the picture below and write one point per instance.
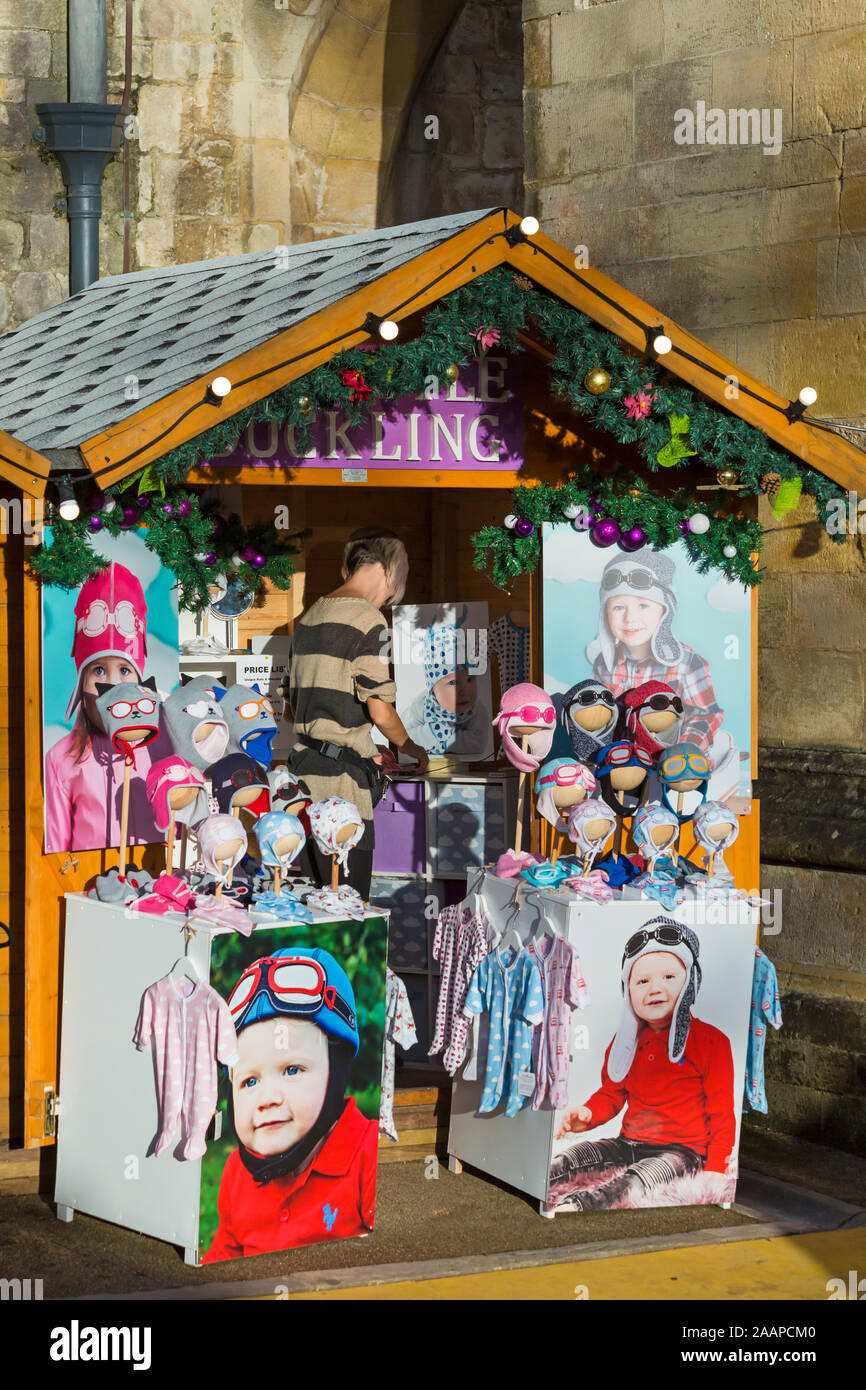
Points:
(662, 344)
(69, 508)
(808, 396)
(218, 390)
(529, 225)
(386, 328)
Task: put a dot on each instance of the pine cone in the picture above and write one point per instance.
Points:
(523, 282)
(770, 483)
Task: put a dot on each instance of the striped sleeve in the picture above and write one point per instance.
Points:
(370, 672)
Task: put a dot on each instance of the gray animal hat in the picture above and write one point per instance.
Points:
(588, 692)
(129, 706)
(658, 934)
(250, 718)
(188, 708)
(644, 574)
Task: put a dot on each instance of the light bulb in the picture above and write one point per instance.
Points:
(388, 330)
(69, 509)
(529, 225)
(221, 386)
(662, 344)
(808, 396)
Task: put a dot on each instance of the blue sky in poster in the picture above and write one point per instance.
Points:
(711, 611)
(58, 622)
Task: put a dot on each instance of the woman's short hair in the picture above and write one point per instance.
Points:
(376, 545)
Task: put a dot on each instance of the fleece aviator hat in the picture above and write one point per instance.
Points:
(658, 934)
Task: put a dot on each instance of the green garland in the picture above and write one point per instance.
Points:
(181, 534)
(629, 501)
(512, 305)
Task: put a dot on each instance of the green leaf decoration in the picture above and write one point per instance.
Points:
(787, 497)
(678, 447)
(150, 481)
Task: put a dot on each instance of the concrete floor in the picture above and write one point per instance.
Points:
(436, 1229)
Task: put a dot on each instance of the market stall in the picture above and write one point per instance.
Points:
(514, 420)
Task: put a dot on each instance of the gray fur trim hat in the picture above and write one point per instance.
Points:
(687, 950)
(657, 570)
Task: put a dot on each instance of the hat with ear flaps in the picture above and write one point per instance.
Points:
(194, 706)
(579, 817)
(171, 774)
(586, 742)
(250, 718)
(129, 708)
(648, 698)
(648, 819)
(275, 826)
(659, 934)
(328, 818)
(515, 703)
(237, 773)
(212, 833)
(645, 574)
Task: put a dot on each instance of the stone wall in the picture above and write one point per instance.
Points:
(473, 91)
(259, 122)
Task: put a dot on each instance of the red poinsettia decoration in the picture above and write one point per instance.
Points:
(639, 406)
(486, 336)
(360, 389)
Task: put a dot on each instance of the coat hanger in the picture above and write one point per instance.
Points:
(542, 926)
(185, 965)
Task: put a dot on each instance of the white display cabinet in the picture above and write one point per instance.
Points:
(518, 1150)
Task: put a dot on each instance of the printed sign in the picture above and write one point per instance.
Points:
(476, 423)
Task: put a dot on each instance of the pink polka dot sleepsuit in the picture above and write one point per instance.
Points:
(191, 1029)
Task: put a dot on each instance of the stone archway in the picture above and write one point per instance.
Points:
(361, 65)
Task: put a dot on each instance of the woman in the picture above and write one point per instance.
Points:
(340, 686)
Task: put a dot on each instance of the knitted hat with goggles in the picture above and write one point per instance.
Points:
(646, 574)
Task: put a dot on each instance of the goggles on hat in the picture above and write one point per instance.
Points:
(665, 936)
(620, 753)
(531, 714)
(99, 618)
(593, 697)
(676, 766)
(121, 708)
(635, 579)
(245, 777)
(250, 709)
(176, 773)
(662, 702)
(293, 984)
(565, 776)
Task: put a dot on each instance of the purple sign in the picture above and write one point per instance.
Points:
(475, 423)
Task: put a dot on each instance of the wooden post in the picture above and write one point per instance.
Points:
(557, 846)
(521, 798)
(335, 872)
(277, 888)
(169, 845)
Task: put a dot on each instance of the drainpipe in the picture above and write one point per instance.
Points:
(83, 132)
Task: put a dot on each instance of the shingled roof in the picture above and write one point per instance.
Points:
(63, 374)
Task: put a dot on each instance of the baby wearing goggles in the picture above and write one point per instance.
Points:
(305, 1166)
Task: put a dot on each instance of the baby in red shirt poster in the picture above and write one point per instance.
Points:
(304, 1169)
(673, 1073)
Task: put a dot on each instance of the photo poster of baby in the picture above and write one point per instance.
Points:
(658, 1059)
(119, 626)
(442, 672)
(295, 1161)
(630, 617)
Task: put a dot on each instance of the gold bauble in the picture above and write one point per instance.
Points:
(452, 372)
(597, 381)
(305, 405)
(727, 477)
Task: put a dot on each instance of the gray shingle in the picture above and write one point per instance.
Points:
(64, 372)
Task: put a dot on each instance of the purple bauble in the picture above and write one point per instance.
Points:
(184, 508)
(596, 506)
(632, 539)
(524, 528)
(210, 558)
(683, 528)
(258, 561)
(219, 528)
(97, 499)
(142, 503)
(168, 508)
(248, 554)
(95, 523)
(129, 518)
(605, 532)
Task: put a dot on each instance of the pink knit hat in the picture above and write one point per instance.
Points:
(530, 705)
(110, 620)
(168, 775)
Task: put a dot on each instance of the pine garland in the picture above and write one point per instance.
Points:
(630, 502)
(181, 534)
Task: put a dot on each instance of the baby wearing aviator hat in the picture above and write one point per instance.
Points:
(305, 1166)
(673, 1073)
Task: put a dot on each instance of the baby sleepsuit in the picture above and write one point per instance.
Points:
(191, 1029)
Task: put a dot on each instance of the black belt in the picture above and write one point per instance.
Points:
(378, 782)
